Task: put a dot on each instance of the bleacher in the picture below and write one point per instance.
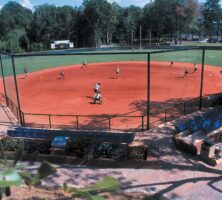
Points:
(193, 130)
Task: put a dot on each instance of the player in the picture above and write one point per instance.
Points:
(61, 75)
(26, 71)
(117, 72)
(171, 63)
(195, 68)
(185, 72)
(97, 97)
(84, 64)
(96, 88)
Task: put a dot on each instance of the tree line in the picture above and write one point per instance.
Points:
(98, 22)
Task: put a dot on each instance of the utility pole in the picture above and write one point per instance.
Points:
(132, 37)
(140, 37)
(150, 37)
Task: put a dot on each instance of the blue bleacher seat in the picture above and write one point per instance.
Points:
(59, 142)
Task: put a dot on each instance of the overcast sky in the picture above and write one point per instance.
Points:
(31, 3)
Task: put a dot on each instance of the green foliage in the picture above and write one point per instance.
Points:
(107, 184)
(98, 22)
(45, 170)
(35, 179)
(13, 174)
(212, 16)
(10, 177)
(37, 46)
(19, 153)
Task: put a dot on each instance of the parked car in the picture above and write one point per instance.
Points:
(213, 40)
(204, 40)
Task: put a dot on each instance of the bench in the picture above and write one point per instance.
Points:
(60, 137)
(102, 136)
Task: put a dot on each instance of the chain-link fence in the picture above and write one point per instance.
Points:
(56, 89)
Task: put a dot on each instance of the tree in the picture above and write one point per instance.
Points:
(44, 26)
(185, 14)
(176, 15)
(64, 20)
(128, 23)
(101, 20)
(211, 14)
(14, 22)
(109, 23)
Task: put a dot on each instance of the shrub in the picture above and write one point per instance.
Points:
(10, 144)
(30, 145)
(37, 146)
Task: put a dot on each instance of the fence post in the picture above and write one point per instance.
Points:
(23, 119)
(16, 87)
(148, 91)
(3, 77)
(201, 80)
(142, 122)
(6, 98)
(12, 107)
(77, 122)
(109, 123)
(50, 125)
(17, 114)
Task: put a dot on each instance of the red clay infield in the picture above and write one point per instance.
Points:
(42, 92)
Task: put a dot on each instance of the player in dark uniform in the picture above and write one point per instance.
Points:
(84, 64)
(26, 71)
(171, 64)
(97, 97)
(185, 72)
(61, 75)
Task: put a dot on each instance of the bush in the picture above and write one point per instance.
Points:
(30, 145)
(82, 149)
(89, 149)
(37, 146)
(137, 153)
(119, 152)
(11, 144)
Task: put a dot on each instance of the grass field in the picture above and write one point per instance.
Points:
(36, 63)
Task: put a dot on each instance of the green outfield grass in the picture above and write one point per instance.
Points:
(36, 63)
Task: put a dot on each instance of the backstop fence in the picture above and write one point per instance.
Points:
(182, 93)
(10, 83)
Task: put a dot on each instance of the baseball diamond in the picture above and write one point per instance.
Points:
(124, 100)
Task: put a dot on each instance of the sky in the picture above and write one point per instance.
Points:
(31, 3)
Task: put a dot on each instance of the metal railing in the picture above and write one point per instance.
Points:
(87, 122)
(180, 109)
(108, 122)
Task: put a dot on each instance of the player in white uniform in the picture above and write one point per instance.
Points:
(195, 67)
(117, 72)
(97, 87)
